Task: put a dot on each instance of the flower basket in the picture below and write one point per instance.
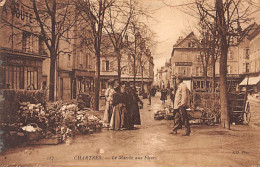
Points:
(33, 135)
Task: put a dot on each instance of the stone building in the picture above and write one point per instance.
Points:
(22, 51)
(186, 61)
(109, 66)
(253, 68)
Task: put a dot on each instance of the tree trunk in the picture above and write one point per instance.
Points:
(222, 29)
(213, 77)
(119, 66)
(97, 82)
(142, 78)
(52, 75)
(223, 87)
(206, 78)
(134, 69)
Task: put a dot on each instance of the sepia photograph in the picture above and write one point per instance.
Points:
(129, 83)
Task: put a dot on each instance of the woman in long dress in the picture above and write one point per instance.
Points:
(119, 108)
(109, 99)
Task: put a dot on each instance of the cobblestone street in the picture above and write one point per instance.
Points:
(151, 144)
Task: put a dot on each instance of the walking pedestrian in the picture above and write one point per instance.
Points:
(163, 95)
(180, 105)
(109, 99)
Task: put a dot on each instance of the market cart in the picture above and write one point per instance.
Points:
(239, 108)
(205, 108)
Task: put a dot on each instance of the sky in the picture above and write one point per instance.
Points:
(169, 23)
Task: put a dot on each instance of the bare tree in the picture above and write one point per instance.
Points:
(137, 35)
(116, 25)
(208, 48)
(132, 43)
(93, 14)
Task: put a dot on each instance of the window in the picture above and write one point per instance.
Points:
(188, 71)
(247, 67)
(41, 46)
(80, 59)
(194, 71)
(189, 45)
(20, 77)
(197, 71)
(230, 69)
(26, 41)
(247, 53)
(30, 43)
(184, 71)
(87, 60)
(68, 63)
(230, 56)
(105, 65)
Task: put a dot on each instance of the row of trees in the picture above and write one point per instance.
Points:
(118, 20)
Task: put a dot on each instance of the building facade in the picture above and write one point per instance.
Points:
(254, 63)
(22, 51)
(186, 61)
(109, 66)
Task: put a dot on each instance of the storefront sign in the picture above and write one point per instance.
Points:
(21, 13)
(14, 61)
(183, 63)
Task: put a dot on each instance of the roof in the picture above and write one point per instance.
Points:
(181, 41)
(255, 33)
(189, 35)
(252, 81)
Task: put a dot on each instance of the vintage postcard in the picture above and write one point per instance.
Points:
(129, 83)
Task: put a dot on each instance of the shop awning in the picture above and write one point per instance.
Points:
(252, 81)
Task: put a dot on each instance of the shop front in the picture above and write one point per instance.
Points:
(20, 70)
(82, 83)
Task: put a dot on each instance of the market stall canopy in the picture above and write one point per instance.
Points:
(252, 81)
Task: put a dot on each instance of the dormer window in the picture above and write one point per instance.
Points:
(189, 44)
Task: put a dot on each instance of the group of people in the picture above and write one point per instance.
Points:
(122, 106)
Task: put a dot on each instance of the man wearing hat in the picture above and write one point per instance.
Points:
(180, 105)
